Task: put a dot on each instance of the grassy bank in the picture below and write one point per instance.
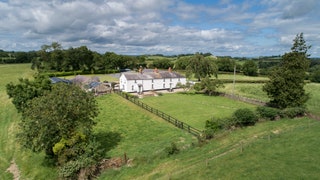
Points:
(285, 149)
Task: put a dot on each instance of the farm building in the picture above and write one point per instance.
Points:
(150, 80)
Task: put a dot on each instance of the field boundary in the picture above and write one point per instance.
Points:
(182, 125)
(244, 99)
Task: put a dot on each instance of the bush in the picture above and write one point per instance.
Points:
(293, 112)
(173, 149)
(268, 112)
(245, 117)
(212, 126)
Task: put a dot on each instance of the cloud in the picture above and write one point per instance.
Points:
(245, 28)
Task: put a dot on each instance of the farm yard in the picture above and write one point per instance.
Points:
(286, 148)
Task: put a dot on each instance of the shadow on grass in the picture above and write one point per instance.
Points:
(108, 140)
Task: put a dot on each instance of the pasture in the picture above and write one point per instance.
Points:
(284, 149)
(254, 91)
(195, 109)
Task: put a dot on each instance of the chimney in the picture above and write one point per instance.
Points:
(140, 70)
(169, 70)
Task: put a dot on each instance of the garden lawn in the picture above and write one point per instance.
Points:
(195, 109)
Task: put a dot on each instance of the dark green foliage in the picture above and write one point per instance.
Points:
(172, 149)
(26, 90)
(201, 67)
(315, 73)
(90, 153)
(250, 68)
(293, 112)
(52, 58)
(286, 85)
(212, 127)
(162, 64)
(209, 86)
(268, 113)
(60, 123)
(226, 64)
(245, 117)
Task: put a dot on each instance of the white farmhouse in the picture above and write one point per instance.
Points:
(149, 80)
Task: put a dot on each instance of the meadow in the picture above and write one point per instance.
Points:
(195, 109)
(283, 149)
(254, 91)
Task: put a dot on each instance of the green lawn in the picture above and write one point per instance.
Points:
(286, 149)
(195, 109)
(241, 77)
(139, 133)
(255, 91)
(9, 118)
(250, 90)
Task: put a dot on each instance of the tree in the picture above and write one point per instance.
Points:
(201, 67)
(250, 68)
(60, 124)
(315, 73)
(62, 113)
(26, 90)
(286, 85)
(209, 86)
(226, 64)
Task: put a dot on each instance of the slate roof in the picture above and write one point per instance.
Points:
(55, 80)
(152, 75)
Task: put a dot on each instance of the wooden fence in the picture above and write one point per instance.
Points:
(168, 118)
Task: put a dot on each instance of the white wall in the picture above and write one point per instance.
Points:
(155, 84)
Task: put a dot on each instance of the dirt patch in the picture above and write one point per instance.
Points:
(13, 169)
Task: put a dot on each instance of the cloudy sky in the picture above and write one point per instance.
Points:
(221, 27)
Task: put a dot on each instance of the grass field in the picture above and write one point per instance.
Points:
(241, 77)
(284, 149)
(195, 109)
(255, 91)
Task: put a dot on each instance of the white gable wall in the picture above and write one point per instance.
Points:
(149, 84)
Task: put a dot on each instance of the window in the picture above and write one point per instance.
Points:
(132, 87)
(135, 81)
(152, 80)
(164, 85)
(164, 80)
(152, 86)
(170, 79)
(179, 79)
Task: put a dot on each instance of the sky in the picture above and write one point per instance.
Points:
(238, 28)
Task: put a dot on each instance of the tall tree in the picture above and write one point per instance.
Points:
(201, 67)
(286, 85)
(250, 68)
(27, 89)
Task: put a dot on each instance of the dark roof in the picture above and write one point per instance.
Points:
(152, 75)
(94, 84)
(55, 80)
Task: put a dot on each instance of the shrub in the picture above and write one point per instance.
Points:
(268, 112)
(173, 149)
(245, 117)
(212, 126)
(293, 112)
